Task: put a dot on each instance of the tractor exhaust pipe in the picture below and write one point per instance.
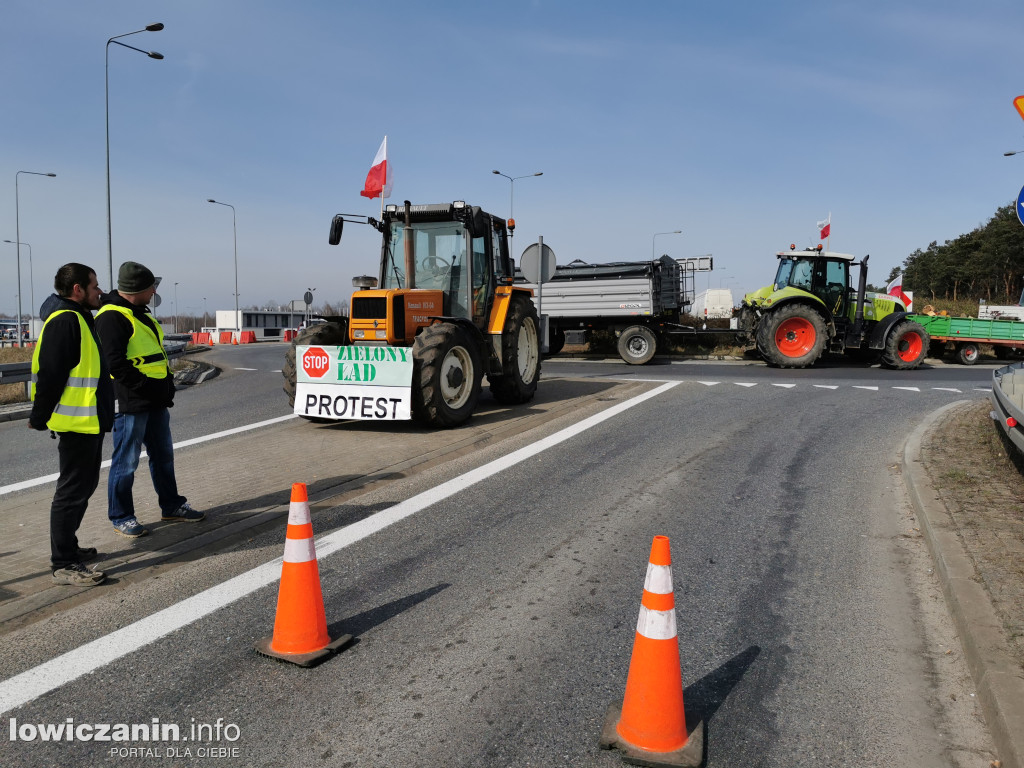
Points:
(410, 254)
(862, 285)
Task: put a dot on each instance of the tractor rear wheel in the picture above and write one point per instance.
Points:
(520, 354)
(330, 334)
(637, 345)
(907, 346)
(446, 375)
(968, 352)
(792, 336)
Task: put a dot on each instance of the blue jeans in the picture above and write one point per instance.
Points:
(131, 432)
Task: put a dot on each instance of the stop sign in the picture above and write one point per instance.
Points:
(315, 362)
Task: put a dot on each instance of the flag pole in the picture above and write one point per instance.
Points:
(828, 240)
(385, 183)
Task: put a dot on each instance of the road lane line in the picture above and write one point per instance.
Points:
(183, 444)
(50, 675)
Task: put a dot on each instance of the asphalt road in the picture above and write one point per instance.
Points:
(494, 625)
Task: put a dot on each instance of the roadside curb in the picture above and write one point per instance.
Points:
(997, 677)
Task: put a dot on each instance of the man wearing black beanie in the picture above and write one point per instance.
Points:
(132, 343)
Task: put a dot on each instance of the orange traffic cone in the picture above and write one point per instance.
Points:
(300, 629)
(650, 725)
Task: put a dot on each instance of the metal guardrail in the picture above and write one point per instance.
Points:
(1008, 402)
(13, 373)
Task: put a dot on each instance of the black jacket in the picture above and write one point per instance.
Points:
(60, 350)
(136, 392)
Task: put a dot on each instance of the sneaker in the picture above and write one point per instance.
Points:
(184, 514)
(78, 575)
(85, 554)
(131, 528)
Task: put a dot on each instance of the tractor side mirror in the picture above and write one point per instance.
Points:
(337, 224)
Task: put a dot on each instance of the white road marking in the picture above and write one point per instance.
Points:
(246, 369)
(784, 386)
(87, 658)
(826, 386)
(183, 444)
(746, 384)
(946, 389)
(709, 383)
(858, 386)
(909, 389)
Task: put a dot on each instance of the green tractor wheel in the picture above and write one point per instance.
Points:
(792, 336)
(907, 346)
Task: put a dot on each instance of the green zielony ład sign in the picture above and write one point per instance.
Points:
(354, 382)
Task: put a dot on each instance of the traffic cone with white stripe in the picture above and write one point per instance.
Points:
(300, 628)
(649, 728)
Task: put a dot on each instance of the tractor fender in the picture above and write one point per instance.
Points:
(812, 301)
(499, 309)
(882, 328)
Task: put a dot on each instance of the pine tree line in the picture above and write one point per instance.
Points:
(986, 263)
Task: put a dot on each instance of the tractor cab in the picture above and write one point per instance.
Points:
(823, 275)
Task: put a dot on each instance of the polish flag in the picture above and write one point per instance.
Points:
(378, 180)
(895, 288)
(825, 226)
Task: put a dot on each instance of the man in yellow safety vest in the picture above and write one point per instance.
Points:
(133, 344)
(72, 396)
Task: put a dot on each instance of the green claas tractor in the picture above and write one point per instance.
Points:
(811, 309)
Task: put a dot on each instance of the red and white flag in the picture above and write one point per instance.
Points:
(825, 226)
(378, 180)
(895, 288)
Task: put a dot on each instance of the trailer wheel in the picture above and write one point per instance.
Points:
(792, 336)
(637, 345)
(967, 353)
(906, 346)
(520, 354)
(329, 334)
(446, 376)
(555, 343)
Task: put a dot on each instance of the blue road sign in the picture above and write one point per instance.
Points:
(1020, 206)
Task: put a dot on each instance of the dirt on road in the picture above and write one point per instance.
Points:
(979, 475)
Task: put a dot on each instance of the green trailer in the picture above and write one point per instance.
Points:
(963, 336)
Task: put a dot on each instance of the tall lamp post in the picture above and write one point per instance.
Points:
(153, 55)
(511, 193)
(17, 237)
(673, 232)
(31, 280)
(234, 229)
(175, 307)
(204, 313)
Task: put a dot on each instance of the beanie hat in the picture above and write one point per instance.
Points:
(132, 277)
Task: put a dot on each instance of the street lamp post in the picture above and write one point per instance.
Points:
(153, 55)
(175, 307)
(17, 238)
(234, 229)
(673, 232)
(204, 312)
(511, 192)
(31, 280)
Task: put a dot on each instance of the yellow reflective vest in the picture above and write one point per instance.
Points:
(76, 409)
(145, 348)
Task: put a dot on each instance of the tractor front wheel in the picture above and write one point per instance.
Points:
(907, 346)
(330, 334)
(792, 336)
(446, 375)
(520, 354)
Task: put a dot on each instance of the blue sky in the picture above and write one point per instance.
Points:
(740, 124)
